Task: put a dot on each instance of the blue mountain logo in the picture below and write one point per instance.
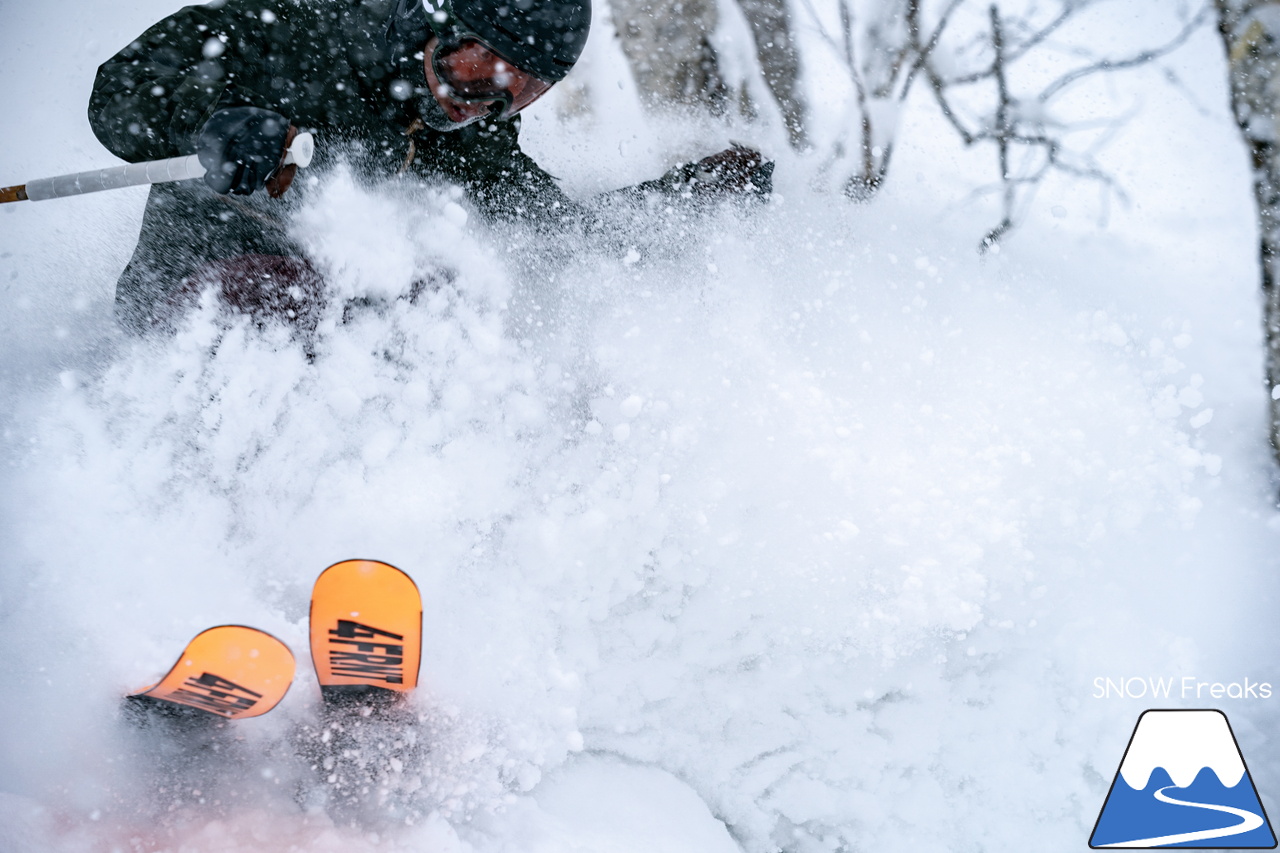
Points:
(1183, 783)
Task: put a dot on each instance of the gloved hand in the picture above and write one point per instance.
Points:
(240, 147)
(735, 170)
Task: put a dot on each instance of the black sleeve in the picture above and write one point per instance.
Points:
(524, 190)
(502, 181)
(151, 99)
(506, 184)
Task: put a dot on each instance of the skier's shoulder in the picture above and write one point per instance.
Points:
(234, 24)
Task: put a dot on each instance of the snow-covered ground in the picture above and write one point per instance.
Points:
(808, 530)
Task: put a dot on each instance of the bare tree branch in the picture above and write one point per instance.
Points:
(1033, 41)
(1003, 131)
(1118, 64)
(903, 50)
(1069, 9)
(924, 51)
(939, 89)
(821, 30)
(846, 24)
(860, 91)
(845, 48)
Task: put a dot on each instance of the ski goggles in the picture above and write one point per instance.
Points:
(473, 73)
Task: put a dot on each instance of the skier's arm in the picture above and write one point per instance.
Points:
(736, 171)
(151, 99)
(502, 181)
(619, 221)
(515, 187)
(524, 190)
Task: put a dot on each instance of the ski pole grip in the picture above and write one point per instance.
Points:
(300, 152)
(153, 172)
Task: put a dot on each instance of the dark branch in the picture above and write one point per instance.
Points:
(923, 51)
(938, 87)
(1049, 29)
(1037, 38)
(1032, 41)
(1119, 64)
(1004, 126)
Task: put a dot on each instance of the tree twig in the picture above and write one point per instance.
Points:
(1133, 61)
(1003, 132)
(924, 51)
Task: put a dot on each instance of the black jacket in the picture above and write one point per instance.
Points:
(331, 67)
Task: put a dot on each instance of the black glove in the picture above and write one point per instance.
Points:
(734, 171)
(240, 147)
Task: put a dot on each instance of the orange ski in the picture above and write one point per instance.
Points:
(366, 626)
(232, 671)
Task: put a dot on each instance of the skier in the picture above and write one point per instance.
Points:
(394, 86)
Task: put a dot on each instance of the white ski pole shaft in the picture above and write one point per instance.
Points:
(133, 174)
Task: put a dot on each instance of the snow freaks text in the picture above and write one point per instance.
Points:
(1186, 687)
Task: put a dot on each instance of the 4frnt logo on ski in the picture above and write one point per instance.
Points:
(366, 628)
(358, 651)
(214, 693)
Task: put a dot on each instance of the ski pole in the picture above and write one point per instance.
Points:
(133, 174)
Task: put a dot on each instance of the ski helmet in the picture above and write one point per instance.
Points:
(543, 37)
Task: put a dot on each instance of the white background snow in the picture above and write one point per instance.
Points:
(815, 525)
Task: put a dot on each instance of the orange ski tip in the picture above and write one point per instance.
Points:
(368, 568)
(233, 671)
(366, 626)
